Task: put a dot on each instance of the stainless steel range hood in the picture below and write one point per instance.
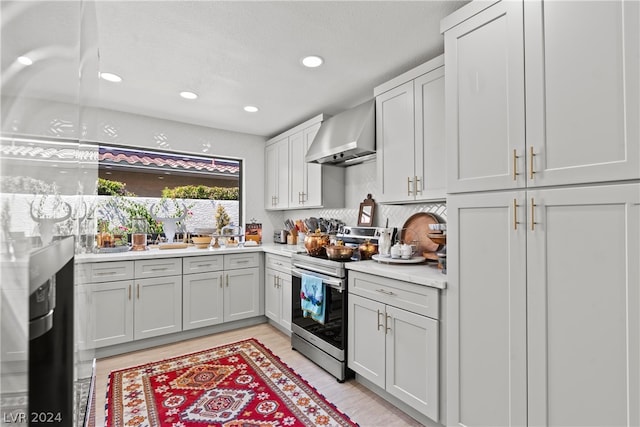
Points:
(346, 138)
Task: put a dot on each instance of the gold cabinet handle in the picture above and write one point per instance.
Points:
(129, 292)
(417, 185)
(533, 211)
(387, 328)
(531, 156)
(221, 281)
(408, 186)
(515, 165)
(380, 325)
(304, 197)
(227, 280)
(138, 291)
(515, 214)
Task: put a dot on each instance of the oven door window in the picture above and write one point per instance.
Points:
(334, 330)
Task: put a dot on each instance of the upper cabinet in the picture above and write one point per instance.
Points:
(410, 138)
(573, 119)
(277, 178)
(291, 182)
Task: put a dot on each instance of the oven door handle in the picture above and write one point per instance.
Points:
(334, 283)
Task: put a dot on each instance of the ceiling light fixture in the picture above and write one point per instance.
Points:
(110, 77)
(251, 109)
(25, 60)
(312, 61)
(188, 95)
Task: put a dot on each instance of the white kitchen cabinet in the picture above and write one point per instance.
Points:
(124, 310)
(543, 307)
(391, 341)
(202, 287)
(242, 296)
(581, 94)
(277, 284)
(277, 174)
(109, 319)
(297, 184)
(157, 306)
(410, 139)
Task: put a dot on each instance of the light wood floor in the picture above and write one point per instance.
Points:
(361, 405)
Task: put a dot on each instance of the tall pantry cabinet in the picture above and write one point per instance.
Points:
(543, 140)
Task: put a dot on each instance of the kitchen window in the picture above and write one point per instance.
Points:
(202, 184)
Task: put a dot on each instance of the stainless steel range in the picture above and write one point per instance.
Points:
(325, 342)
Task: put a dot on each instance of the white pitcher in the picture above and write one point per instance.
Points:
(384, 241)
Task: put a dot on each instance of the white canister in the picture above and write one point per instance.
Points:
(406, 251)
(396, 251)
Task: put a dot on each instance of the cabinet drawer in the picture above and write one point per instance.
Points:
(158, 267)
(104, 271)
(277, 262)
(202, 264)
(234, 261)
(408, 296)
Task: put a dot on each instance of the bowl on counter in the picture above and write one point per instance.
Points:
(201, 242)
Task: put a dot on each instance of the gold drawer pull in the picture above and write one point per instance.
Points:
(385, 292)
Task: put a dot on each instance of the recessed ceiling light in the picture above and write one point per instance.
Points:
(312, 61)
(188, 95)
(251, 109)
(25, 60)
(110, 77)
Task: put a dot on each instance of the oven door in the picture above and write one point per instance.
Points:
(332, 335)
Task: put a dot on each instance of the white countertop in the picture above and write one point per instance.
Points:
(284, 250)
(421, 274)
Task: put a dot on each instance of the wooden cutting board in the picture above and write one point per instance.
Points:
(416, 230)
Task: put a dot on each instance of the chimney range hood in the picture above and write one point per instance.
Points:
(347, 138)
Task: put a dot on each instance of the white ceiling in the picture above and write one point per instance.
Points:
(237, 53)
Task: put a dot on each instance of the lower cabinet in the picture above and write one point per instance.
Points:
(173, 294)
(390, 344)
(157, 308)
(132, 309)
(277, 285)
(202, 302)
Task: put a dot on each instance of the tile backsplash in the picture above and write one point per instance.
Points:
(361, 180)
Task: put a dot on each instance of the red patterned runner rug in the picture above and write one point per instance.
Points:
(240, 384)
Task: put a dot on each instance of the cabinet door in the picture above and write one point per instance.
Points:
(412, 350)
(313, 174)
(430, 149)
(201, 300)
(366, 339)
(395, 144)
(277, 175)
(486, 310)
(110, 313)
(297, 170)
(272, 295)
(241, 294)
(583, 306)
(485, 100)
(284, 285)
(583, 89)
(158, 306)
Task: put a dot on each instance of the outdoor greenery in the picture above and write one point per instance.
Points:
(107, 187)
(201, 192)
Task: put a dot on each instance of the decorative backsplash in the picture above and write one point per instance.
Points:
(362, 180)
